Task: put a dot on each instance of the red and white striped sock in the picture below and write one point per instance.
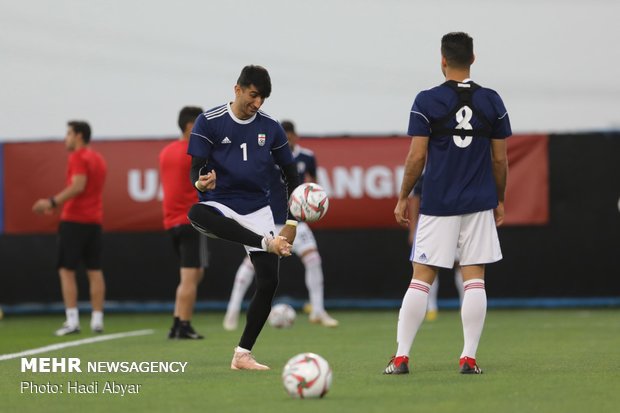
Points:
(473, 313)
(411, 315)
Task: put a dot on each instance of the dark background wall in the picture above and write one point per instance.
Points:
(573, 256)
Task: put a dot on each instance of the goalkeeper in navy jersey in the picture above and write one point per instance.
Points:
(305, 246)
(459, 132)
(234, 147)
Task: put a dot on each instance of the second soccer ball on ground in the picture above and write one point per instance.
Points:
(282, 316)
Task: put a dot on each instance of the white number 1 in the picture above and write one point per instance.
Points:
(244, 148)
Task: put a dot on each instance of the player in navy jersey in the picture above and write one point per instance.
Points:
(234, 148)
(305, 245)
(459, 130)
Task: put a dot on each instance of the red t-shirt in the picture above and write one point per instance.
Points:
(86, 207)
(179, 193)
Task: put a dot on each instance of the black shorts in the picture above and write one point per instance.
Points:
(77, 243)
(190, 246)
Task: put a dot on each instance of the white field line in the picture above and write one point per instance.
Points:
(75, 343)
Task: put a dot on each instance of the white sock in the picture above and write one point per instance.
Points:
(458, 282)
(241, 350)
(314, 281)
(96, 318)
(243, 280)
(432, 296)
(473, 313)
(73, 317)
(411, 315)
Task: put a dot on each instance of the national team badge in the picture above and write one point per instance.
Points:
(262, 138)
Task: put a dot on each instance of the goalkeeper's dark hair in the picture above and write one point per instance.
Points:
(257, 76)
(81, 127)
(188, 115)
(458, 49)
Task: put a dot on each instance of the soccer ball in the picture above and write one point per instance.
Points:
(282, 316)
(306, 376)
(308, 202)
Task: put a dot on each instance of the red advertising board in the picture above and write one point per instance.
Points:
(131, 198)
(527, 191)
(361, 175)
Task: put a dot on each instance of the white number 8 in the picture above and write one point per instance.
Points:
(463, 116)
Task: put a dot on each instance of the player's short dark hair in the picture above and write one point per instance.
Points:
(458, 49)
(288, 126)
(257, 76)
(188, 115)
(79, 126)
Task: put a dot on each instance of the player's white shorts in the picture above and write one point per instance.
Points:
(471, 237)
(304, 240)
(260, 222)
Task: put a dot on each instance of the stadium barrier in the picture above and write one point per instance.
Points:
(562, 227)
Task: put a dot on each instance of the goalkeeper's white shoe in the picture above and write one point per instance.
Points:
(246, 361)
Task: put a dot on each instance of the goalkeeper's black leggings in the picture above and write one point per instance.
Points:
(210, 221)
(267, 267)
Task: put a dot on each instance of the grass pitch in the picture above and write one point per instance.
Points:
(533, 361)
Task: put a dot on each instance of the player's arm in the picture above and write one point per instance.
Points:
(200, 145)
(202, 177)
(413, 203)
(76, 187)
(291, 178)
(284, 159)
(499, 158)
(414, 165)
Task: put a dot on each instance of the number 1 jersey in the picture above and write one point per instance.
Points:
(242, 154)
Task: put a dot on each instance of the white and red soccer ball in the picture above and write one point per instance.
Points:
(309, 202)
(282, 316)
(307, 376)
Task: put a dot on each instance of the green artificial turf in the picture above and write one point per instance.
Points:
(533, 361)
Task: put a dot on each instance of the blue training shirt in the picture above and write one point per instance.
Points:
(458, 178)
(278, 197)
(242, 153)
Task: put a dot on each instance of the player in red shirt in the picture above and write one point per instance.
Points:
(190, 245)
(79, 232)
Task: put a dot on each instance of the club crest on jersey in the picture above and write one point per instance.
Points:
(262, 138)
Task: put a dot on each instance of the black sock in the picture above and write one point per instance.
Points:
(175, 322)
(211, 221)
(267, 268)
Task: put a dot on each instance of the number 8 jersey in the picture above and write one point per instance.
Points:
(459, 119)
(242, 153)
